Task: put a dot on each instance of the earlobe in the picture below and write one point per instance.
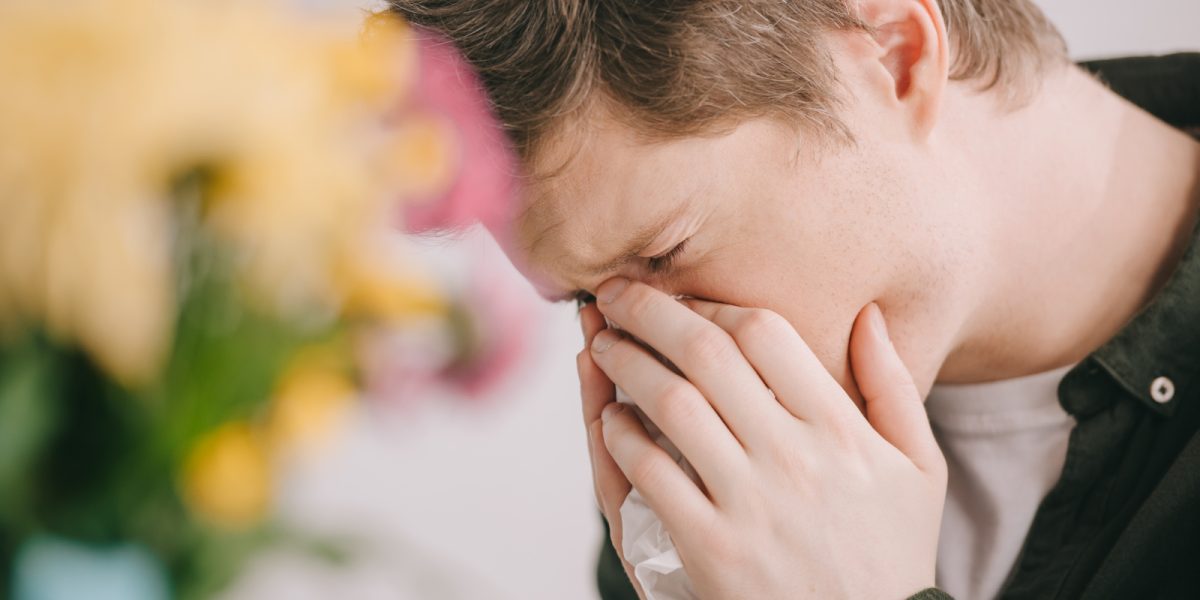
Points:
(913, 48)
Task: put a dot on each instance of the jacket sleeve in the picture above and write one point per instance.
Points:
(611, 579)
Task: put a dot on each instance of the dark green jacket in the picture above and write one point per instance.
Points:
(1123, 521)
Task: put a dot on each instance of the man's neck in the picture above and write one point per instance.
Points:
(1089, 202)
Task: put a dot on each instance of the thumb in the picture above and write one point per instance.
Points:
(894, 407)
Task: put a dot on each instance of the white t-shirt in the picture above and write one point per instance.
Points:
(1005, 443)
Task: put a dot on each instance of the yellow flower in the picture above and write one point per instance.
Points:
(377, 284)
(103, 103)
(227, 477)
(310, 401)
(424, 155)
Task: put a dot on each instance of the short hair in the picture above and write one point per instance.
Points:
(679, 67)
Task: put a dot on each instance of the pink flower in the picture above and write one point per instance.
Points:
(484, 186)
(470, 354)
(500, 307)
(465, 173)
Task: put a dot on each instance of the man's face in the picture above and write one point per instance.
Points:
(763, 216)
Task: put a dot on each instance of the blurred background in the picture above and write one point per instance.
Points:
(504, 490)
(432, 448)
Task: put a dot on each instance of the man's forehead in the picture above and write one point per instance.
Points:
(592, 198)
(575, 240)
(561, 222)
(560, 170)
(542, 211)
(607, 168)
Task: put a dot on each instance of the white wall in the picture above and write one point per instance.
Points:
(1103, 28)
(499, 496)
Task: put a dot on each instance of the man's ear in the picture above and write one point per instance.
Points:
(912, 47)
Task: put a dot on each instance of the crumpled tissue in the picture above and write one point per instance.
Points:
(645, 543)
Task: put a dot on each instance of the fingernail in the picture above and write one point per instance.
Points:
(880, 326)
(610, 410)
(604, 340)
(611, 289)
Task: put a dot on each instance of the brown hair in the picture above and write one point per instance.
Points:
(677, 67)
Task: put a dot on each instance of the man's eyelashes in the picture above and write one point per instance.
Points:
(583, 298)
(662, 262)
(656, 264)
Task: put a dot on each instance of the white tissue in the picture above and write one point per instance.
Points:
(645, 543)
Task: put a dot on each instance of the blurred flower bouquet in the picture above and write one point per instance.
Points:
(194, 257)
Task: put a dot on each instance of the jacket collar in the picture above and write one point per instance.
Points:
(1156, 356)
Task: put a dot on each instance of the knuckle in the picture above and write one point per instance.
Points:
(791, 460)
(844, 420)
(679, 403)
(710, 346)
(759, 322)
(647, 470)
(640, 303)
(845, 429)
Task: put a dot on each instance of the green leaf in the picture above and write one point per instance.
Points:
(28, 416)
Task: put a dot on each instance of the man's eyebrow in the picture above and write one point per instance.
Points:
(637, 244)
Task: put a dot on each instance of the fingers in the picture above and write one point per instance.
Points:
(894, 407)
(596, 391)
(675, 406)
(611, 485)
(611, 490)
(706, 355)
(668, 491)
(784, 362)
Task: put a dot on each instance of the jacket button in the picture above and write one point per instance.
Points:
(1162, 390)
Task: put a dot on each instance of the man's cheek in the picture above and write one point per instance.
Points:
(830, 342)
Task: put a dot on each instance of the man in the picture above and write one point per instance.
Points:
(860, 199)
